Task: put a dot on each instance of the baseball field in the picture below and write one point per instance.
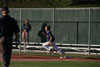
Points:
(30, 59)
(56, 64)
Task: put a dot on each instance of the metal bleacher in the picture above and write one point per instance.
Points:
(68, 48)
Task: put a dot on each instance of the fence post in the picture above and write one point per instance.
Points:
(53, 20)
(5, 2)
(20, 28)
(89, 33)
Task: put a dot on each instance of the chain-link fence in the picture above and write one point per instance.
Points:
(69, 25)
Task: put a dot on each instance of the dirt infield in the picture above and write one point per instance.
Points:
(46, 58)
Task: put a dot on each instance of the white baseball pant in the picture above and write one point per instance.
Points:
(48, 47)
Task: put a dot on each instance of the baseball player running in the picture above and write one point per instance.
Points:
(51, 41)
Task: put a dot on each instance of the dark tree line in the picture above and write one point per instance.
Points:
(45, 3)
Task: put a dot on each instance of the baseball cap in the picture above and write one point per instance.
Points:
(5, 8)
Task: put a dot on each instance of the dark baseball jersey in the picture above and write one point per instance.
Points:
(49, 34)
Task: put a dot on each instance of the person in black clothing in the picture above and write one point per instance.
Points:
(8, 27)
(42, 32)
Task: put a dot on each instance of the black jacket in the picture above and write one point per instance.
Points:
(8, 26)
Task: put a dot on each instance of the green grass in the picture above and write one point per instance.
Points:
(56, 64)
(57, 55)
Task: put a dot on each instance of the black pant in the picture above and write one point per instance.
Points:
(5, 50)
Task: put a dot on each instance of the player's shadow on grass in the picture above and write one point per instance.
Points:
(41, 33)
